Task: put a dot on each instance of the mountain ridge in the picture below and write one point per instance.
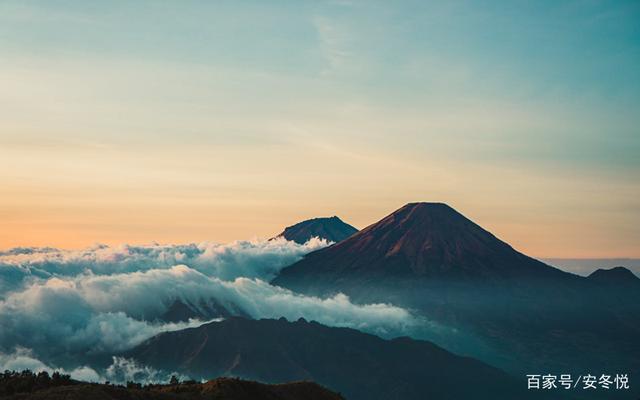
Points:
(359, 365)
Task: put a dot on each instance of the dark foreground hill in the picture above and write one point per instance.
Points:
(332, 229)
(358, 365)
(27, 386)
(525, 314)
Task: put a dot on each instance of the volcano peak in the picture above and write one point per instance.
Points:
(419, 240)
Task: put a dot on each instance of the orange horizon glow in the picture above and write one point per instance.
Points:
(150, 228)
(72, 197)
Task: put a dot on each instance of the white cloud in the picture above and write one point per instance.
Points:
(55, 319)
(71, 306)
(110, 313)
(248, 258)
(22, 359)
(121, 370)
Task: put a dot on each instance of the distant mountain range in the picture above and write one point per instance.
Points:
(586, 266)
(332, 229)
(359, 365)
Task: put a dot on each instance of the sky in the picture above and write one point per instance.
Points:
(190, 121)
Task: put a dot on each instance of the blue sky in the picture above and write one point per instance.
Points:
(122, 118)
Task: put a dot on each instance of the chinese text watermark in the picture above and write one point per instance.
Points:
(584, 382)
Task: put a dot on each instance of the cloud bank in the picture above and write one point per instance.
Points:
(247, 258)
(70, 307)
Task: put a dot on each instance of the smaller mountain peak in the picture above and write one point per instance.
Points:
(614, 275)
(332, 229)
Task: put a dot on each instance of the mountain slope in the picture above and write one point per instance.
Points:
(333, 229)
(360, 365)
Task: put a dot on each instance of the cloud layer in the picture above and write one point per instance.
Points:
(251, 259)
(70, 307)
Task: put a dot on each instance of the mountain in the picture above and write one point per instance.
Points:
(515, 312)
(182, 310)
(614, 276)
(359, 365)
(424, 241)
(28, 386)
(333, 229)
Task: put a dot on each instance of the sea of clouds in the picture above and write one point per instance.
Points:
(62, 308)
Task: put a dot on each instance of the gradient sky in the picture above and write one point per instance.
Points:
(201, 120)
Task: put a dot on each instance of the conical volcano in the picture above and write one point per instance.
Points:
(519, 313)
(418, 241)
